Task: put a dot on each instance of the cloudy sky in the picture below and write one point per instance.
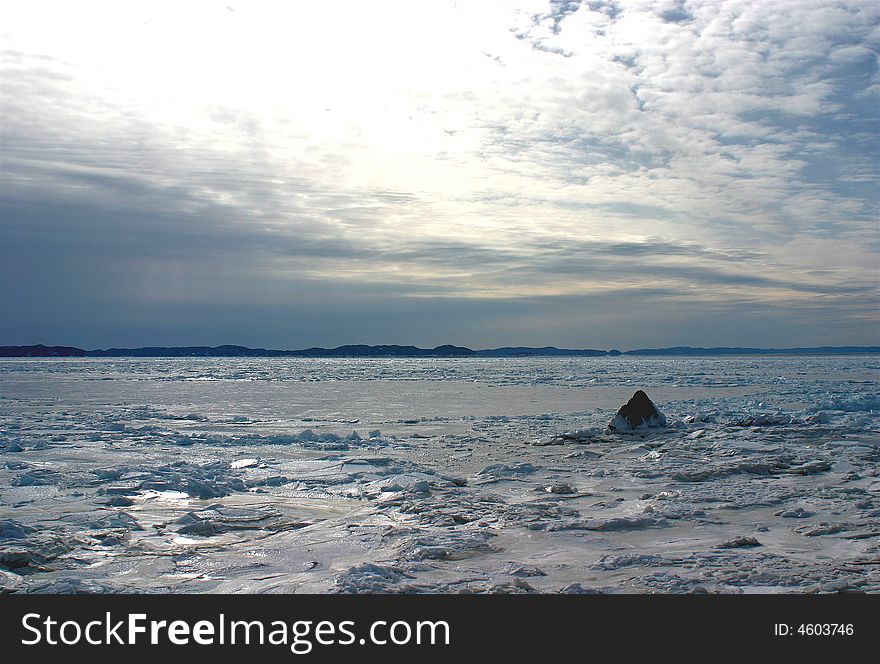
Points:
(583, 174)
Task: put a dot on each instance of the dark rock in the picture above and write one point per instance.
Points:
(638, 412)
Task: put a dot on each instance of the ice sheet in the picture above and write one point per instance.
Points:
(439, 475)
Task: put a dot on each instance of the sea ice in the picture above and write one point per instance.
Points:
(244, 475)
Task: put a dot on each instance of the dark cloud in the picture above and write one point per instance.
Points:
(175, 269)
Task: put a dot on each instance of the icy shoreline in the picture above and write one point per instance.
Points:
(243, 475)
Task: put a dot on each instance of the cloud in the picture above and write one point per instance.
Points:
(706, 154)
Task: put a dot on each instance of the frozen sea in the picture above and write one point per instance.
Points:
(292, 475)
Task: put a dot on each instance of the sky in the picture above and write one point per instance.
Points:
(598, 174)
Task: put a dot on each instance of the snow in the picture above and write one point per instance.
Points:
(460, 475)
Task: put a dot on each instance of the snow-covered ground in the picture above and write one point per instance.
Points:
(447, 475)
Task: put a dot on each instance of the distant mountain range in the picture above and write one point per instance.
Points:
(410, 351)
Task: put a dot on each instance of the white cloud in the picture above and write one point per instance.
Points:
(492, 124)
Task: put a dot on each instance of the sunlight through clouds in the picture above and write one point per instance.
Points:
(529, 154)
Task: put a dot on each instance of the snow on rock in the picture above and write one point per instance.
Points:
(637, 413)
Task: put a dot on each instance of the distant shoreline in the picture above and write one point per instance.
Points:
(391, 351)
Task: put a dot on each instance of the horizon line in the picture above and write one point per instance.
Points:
(401, 350)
